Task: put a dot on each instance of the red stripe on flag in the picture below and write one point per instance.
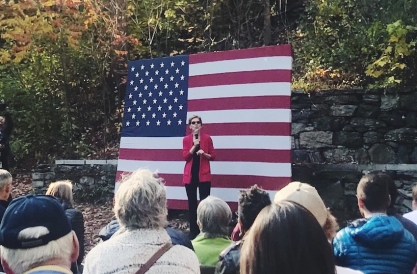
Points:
(264, 129)
(234, 181)
(183, 204)
(283, 50)
(232, 155)
(260, 102)
(245, 77)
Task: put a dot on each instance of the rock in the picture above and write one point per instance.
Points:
(371, 99)
(301, 115)
(341, 99)
(297, 128)
(389, 101)
(316, 139)
(362, 156)
(342, 110)
(329, 123)
(411, 119)
(348, 139)
(402, 155)
(413, 156)
(338, 155)
(402, 135)
(371, 137)
(368, 111)
(382, 154)
(395, 120)
(365, 124)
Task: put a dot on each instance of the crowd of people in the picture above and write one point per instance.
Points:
(293, 233)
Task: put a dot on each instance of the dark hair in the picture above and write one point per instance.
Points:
(373, 192)
(287, 239)
(251, 202)
(193, 117)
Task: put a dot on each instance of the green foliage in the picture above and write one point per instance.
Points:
(345, 37)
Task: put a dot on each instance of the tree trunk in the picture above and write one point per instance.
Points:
(267, 22)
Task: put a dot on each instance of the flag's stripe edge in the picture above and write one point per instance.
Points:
(243, 77)
(220, 142)
(240, 90)
(265, 102)
(281, 50)
(237, 155)
(217, 167)
(243, 115)
(239, 65)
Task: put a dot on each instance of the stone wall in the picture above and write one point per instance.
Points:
(337, 136)
(93, 179)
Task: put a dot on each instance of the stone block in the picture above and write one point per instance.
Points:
(402, 135)
(338, 155)
(368, 111)
(366, 124)
(389, 101)
(343, 110)
(327, 123)
(95, 162)
(38, 183)
(348, 139)
(381, 154)
(411, 119)
(316, 139)
(371, 137)
(297, 128)
(372, 99)
(86, 180)
(74, 162)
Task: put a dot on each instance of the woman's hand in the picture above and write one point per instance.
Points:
(200, 152)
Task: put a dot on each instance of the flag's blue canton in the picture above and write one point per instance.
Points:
(156, 98)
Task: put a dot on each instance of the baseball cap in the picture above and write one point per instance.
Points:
(33, 211)
(305, 195)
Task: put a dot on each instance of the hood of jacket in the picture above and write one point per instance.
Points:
(377, 232)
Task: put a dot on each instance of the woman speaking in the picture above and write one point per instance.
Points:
(198, 151)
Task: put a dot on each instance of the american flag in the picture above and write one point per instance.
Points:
(243, 97)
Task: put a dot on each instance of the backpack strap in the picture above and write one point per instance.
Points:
(145, 267)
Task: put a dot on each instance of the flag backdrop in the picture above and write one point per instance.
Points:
(243, 97)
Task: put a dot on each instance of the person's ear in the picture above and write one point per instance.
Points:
(360, 203)
(75, 247)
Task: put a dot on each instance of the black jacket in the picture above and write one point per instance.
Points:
(229, 259)
(76, 219)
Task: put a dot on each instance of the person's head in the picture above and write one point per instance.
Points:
(251, 202)
(372, 193)
(5, 184)
(392, 188)
(307, 196)
(195, 123)
(62, 190)
(286, 238)
(2, 121)
(140, 201)
(414, 193)
(213, 217)
(35, 231)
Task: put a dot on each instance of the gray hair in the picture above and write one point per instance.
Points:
(22, 260)
(5, 178)
(140, 201)
(214, 216)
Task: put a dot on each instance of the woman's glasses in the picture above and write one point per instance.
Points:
(195, 122)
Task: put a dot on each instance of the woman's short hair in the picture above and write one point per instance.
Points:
(214, 216)
(286, 238)
(140, 201)
(193, 117)
(61, 190)
(5, 178)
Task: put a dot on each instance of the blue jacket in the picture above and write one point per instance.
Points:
(379, 244)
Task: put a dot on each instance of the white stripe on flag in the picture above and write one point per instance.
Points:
(217, 167)
(220, 142)
(244, 116)
(240, 65)
(240, 90)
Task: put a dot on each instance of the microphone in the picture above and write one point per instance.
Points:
(196, 134)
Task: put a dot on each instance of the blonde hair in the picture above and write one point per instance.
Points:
(193, 117)
(22, 260)
(61, 190)
(140, 201)
(5, 178)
